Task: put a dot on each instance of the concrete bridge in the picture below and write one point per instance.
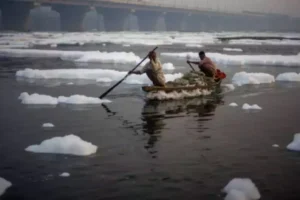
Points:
(177, 16)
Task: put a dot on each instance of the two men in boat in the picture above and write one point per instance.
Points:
(155, 73)
(154, 70)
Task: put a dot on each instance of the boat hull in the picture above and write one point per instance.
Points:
(172, 89)
(180, 88)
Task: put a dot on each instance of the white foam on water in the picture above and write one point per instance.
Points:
(41, 34)
(251, 94)
(76, 56)
(4, 184)
(182, 55)
(37, 99)
(236, 195)
(225, 59)
(53, 45)
(65, 174)
(233, 104)
(70, 83)
(126, 45)
(102, 75)
(295, 144)
(69, 144)
(42, 99)
(48, 125)
(233, 49)
(275, 145)
(242, 185)
(168, 66)
(288, 76)
(81, 99)
(11, 46)
(112, 57)
(230, 87)
(243, 78)
(194, 45)
(251, 107)
(162, 95)
(264, 42)
(9, 40)
(104, 80)
(39, 53)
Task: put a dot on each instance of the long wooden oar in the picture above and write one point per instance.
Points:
(192, 67)
(110, 89)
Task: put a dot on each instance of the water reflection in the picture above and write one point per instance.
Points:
(158, 116)
(166, 109)
(152, 125)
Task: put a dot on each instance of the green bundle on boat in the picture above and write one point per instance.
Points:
(189, 81)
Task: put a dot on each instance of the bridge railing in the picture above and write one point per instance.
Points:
(199, 5)
(183, 4)
(192, 5)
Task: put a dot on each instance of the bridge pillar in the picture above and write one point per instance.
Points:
(254, 24)
(100, 22)
(215, 23)
(227, 23)
(131, 22)
(1, 21)
(210, 23)
(175, 21)
(114, 18)
(71, 17)
(295, 24)
(195, 23)
(15, 15)
(148, 20)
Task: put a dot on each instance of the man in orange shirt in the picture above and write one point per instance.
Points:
(206, 65)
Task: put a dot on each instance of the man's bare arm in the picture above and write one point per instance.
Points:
(136, 72)
(192, 62)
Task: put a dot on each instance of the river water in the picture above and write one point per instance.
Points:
(178, 149)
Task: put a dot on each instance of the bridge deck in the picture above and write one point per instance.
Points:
(183, 5)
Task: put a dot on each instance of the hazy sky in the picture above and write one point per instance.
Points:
(290, 7)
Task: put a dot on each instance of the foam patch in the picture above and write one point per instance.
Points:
(4, 185)
(100, 75)
(76, 56)
(251, 107)
(233, 49)
(225, 59)
(233, 104)
(295, 144)
(244, 78)
(288, 76)
(238, 186)
(41, 99)
(48, 125)
(70, 144)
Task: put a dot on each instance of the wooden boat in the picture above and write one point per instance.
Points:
(168, 89)
(172, 89)
(211, 84)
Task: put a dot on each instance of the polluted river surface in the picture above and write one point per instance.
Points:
(59, 141)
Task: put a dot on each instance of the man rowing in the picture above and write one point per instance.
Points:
(206, 65)
(154, 71)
